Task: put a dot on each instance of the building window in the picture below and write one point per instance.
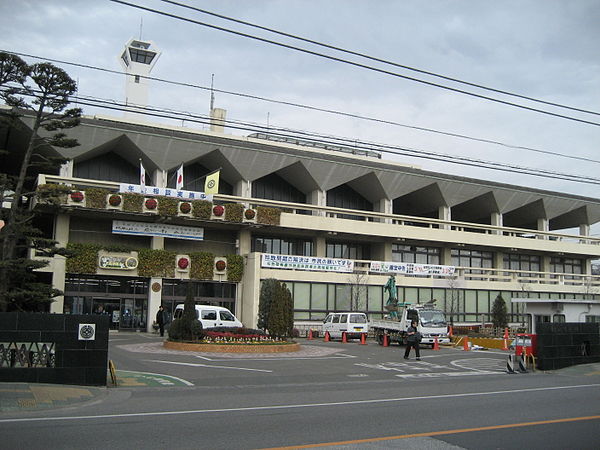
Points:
(347, 251)
(566, 265)
(532, 263)
(414, 254)
(592, 319)
(558, 318)
(141, 56)
(282, 246)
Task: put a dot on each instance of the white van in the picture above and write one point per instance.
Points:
(211, 316)
(353, 323)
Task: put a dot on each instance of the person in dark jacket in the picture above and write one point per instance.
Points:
(412, 340)
(160, 320)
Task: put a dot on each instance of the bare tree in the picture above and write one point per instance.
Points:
(451, 305)
(358, 290)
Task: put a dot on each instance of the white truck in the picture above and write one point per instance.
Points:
(431, 323)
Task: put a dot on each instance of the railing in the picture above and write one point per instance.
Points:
(367, 216)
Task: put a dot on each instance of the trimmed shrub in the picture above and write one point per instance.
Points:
(133, 202)
(234, 212)
(96, 198)
(201, 209)
(268, 216)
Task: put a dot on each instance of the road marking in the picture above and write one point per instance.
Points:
(481, 364)
(445, 374)
(206, 365)
(181, 380)
(287, 358)
(440, 433)
(297, 406)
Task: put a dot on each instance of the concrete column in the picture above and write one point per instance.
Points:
(446, 256)
(318, 198)
(382, 251)
(584, 230)
(320, 246)
(244, 243)
(496, 220)
(444, 213)
(542, 225)
(157, 243)
(59, 263)
(154, 301)
(160, 178)
(384, 205)
(243, 188)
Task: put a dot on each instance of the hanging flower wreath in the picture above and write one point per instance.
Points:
(249, 214)
(114, 200)
(185, 207)
(77, 196)
(151, 203)
(218, 210)
(183, 263)
(220, 265)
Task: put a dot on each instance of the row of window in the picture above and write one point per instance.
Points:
(312, 301)
(416, 254)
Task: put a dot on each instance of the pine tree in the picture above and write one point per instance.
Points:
(48, 99)
(499, 312)
(276, 308)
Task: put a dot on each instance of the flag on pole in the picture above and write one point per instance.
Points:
(142, 177)
(179, 185)
(211, 185)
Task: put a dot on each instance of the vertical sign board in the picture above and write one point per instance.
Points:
(87, 332)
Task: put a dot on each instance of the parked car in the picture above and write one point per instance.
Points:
(353, 323)
(212, 316)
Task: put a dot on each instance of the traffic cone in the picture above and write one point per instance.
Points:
(310, 336)
(327, 337)
(466, 344)
(386, 340)
(505, 343)
(344, 337)
(436, 344)
(450, 333)
(363, 338)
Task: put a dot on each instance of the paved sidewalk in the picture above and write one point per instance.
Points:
(33, 397)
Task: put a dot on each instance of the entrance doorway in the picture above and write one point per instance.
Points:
(125, 314)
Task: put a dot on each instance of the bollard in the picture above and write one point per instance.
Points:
(505, 343)
(327, 337)
(522, 364)
(363, 338)
(450, 331)
(344, 337)
(510, 364)
(386, 340)
(310, 336)
(436, 344)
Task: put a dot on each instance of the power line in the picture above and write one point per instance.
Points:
(353, 63)
(283, 132)
(380, 60)
(315, 108)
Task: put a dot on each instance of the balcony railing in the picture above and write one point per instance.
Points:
(367, 216)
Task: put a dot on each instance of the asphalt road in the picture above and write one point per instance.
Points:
(328, 395)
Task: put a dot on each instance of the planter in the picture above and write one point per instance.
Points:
(233, 348)
(150, 205)
(114, 201)
(218, 212)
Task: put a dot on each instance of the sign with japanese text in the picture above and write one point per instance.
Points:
(158, 229)
(271, 261)
(412, 268)
(167, 192)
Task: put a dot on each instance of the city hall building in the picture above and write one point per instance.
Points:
(331, 222)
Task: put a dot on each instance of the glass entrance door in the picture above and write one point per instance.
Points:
(109, 306)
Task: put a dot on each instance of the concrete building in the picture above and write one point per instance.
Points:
(331, 222)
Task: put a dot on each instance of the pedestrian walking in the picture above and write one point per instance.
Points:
(160, 320)
(413, 340)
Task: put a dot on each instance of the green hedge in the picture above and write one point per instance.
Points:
(96, 198)
(168, 206)
(202, 209)
(156, 263)
(234, 212)
(268, 216)
(84, 257)
(202, 265)
(133, 202)
(235, 268)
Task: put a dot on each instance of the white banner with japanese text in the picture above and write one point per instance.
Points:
(271, 261)
(167, 192)
(412, 269)
(158, 229)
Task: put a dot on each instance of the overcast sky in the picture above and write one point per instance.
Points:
(541, 48)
